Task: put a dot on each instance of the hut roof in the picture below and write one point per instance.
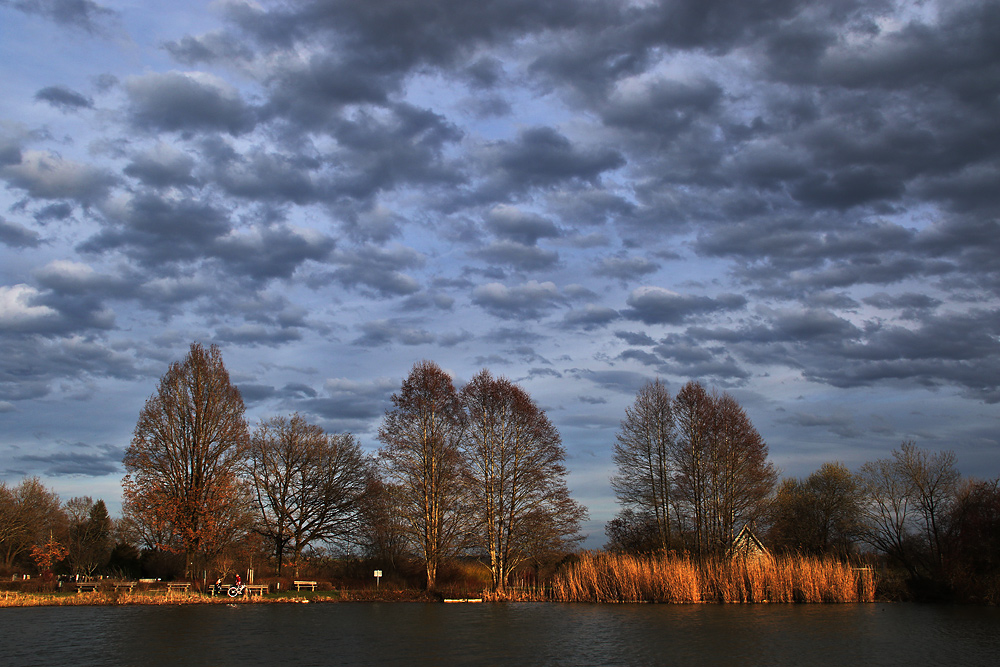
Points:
(746, 544)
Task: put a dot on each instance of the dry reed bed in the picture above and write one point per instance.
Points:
(621, 578)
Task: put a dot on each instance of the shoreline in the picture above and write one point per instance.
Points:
(160, 598)
(10, 599)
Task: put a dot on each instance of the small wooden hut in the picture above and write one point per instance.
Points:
(746, 545)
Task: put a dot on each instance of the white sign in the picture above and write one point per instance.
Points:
(378, 573)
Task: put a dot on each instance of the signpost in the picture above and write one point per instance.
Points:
(378, 577)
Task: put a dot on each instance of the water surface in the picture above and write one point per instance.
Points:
(501, 634)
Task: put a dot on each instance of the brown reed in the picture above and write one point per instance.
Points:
(600, 577)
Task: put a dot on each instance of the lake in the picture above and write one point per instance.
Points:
(501, 634)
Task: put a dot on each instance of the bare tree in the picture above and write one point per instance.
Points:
(182, 486)
(642, 453)
(693, 414)
(308, 485)
(934, 485)
(516, 476)
(30, 514)
(382, 530)
(89, 541)
(741, 478)
(907, 498)
(887, 510)
(723, 476)
(422, 462)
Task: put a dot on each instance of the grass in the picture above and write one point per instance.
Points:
(620, 578)
(160, 597)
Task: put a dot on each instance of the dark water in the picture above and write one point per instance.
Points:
(501, 634)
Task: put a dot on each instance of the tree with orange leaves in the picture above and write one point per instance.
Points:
(183, 489)
(47, 555)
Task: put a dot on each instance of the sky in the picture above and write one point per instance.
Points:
(794, 202)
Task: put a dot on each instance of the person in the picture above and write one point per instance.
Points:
(239, 580)
(217, 588)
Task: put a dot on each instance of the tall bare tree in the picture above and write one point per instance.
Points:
(723, 475)
(516, 476)
(907, 500)
(934, 483)
(308, 485)
(182, 486)
(693, 412)
(422, 462)
(642, 453)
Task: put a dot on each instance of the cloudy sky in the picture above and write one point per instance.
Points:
(792, 201)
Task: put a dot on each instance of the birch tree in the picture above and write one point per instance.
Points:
(516, 477)
(422, 463)
(642, 454)
(723, 475)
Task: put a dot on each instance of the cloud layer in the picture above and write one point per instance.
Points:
(793, 200)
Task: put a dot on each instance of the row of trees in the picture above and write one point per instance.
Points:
(913, 507)
(473, 472)
(691, 470)
(480, 469)
(37, 530)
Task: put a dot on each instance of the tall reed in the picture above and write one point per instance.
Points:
(621, 578)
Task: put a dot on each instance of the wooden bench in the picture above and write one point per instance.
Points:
(89, 586)
(251, 589)
(127, 585)
(299, 585)
(181, 586)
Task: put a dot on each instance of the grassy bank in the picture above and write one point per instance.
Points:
(106, 598)
(619, 578)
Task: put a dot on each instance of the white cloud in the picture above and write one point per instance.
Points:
(17, 311)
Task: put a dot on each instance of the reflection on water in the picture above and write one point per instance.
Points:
(492, 634)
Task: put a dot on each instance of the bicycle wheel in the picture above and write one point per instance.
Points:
(233, 591)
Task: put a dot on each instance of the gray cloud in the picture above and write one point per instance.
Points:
(183, 102)
(528, 301)
(77, 459)
(655, 305)
(625, 268)
(381, 333)
(45, 175)
(64, 98)
(16, 236)
(378, 270)
(86, 15)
